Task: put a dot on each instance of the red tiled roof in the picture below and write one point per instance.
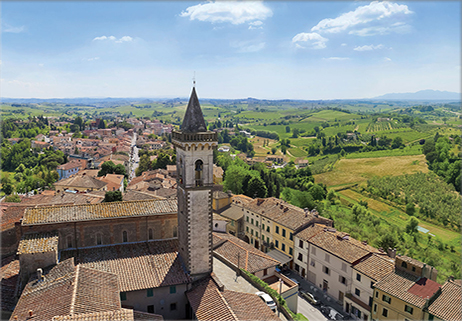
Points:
(66, 290)
(87, 212)
(38, 243)
(424, 288)
(448, 306)
(234, 250)
(138, 266)
(375, 266)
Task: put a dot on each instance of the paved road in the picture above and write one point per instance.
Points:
(309, 311)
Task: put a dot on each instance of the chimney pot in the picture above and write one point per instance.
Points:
(30, 313)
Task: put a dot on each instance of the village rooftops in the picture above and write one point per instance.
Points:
(38, 243)
(143, 265)
(211, 302)
(375, 266)
(283, 213)
(89, 212)
(409, 288)
(119, 315)
(337, 243)
(81, 181)
(448, 306)
(67, 289)
(239, 252)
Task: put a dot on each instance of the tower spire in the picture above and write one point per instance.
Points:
(194, 80)
(193, 121)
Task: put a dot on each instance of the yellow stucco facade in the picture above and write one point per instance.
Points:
(397, 309)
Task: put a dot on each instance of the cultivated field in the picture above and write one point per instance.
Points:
(351, 171)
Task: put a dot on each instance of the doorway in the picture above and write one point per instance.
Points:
(325, 285)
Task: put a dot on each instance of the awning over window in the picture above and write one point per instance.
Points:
(281, 257)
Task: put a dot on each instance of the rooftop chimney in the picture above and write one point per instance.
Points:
(39, 274)
(391, 252)
(30, 313)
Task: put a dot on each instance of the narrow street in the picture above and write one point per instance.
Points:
(134, 158)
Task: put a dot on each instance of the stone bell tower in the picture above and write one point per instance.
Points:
(194, 160)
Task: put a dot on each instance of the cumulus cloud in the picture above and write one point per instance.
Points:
(368, 47)
(226, 11)
(336, 58)
(112, 38)
(373, 12)
(11, 29)
(256, 25)
(313, 40)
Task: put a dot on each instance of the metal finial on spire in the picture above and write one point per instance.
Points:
(194, 80)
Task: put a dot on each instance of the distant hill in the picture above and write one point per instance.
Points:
(428, 94)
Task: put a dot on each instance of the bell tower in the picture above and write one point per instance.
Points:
(194, 160)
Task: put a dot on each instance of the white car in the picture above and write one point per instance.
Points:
(268, 300)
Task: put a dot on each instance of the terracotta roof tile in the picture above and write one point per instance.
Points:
(412, 261)
(87, 212)
(38, 243)
(139, 266)
(234, 249)
(282, 212)
(9, 280)
(375, 266)
(81, 181)
(448, 306)
(340, 244)
(66, 290)
(398, 285)
(247, 306)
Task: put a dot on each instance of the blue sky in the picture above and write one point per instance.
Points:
(265, 50)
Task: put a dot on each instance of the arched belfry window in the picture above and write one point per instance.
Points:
(404, 265)
(199, 166)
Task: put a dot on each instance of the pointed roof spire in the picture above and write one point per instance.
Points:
(193, 121)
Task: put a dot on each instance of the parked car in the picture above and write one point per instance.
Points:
(268, 300)
(334, 315)
(310, 298)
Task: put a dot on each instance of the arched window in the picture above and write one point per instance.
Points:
(404, 265)
(124, 236)
(99, 239)
(198, 170)
(69, 241)
(150, 233)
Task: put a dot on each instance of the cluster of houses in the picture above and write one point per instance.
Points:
(151, 256)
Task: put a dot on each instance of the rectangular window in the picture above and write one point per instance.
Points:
(358, 277)
(265, 272)
(357, 292)
(385, 312)
(291, 237)
(327, 258)
(283, 247)
(232, 223)
(172, 306)
(342, 279)
(277, 229)
(247, 218)
(377, 294)
(372, 284)
(251, 241)
(344, 266)
(277, 243)
(386, 298)
(291, 251)
(325, 269)
(375, 307)
(312, 263)
(300, 244)
(172, 289)
(123, 296)
(150, 292)
(256, 234)
(247, 229)
(370, 301)
(99, 239)
(263, 226)
(150, 309)
(300, 256)
(297, 268)
(409, 309)
(267, 239)
(251, 221)
(284, 232)
(267, 229)
(313, 250)
(251, 231)
(256, 223)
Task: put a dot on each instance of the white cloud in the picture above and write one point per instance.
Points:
(336, 58)
(256, 25)
(368, 47)
(377, 30)
(375, 11)
(343, 44)
(8, 28)
(228, 11)
(387, 59)
(314, 40)
(92, 59)
(248, 46)
(41, 65)
(112, 38)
